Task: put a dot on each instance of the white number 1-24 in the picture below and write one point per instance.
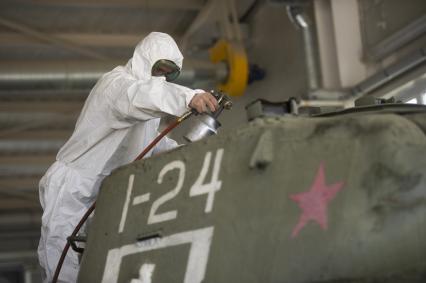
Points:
(200, 187)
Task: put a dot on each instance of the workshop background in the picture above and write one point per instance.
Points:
(322, 52)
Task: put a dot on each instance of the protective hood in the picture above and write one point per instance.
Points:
(155, 46)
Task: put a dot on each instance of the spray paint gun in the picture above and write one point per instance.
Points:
(205, 125)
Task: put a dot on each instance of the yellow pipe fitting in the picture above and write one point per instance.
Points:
(235, 57)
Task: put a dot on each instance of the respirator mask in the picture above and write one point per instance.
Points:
(165, 68)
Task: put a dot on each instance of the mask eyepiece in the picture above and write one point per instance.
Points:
(166, 68)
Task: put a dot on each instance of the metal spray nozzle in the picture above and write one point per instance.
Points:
(206, 124)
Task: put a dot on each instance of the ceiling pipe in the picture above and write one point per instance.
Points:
(297, 15)
(53, 76)
(83, 75)
(203, 16)
(51, 39)
(301, 20)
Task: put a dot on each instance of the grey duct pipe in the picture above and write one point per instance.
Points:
(56, 75)
(298, 17)
(83, 75)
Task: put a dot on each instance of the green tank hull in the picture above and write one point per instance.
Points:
(327, 199)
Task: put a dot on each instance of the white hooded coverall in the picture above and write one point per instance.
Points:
(119, 119)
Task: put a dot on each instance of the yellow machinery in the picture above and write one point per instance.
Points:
(234, 55)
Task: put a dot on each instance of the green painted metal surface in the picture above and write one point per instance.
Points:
(334, 199)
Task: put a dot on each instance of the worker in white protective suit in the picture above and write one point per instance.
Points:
(119, 119)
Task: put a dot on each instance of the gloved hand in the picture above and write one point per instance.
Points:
(202, 102)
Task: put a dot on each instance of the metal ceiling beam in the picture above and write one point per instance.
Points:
(399, 39)
(81, 39)
(148, 4)
(23, 29)
(385, 75)
(202, 17)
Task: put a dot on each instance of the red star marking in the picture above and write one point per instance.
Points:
(314, 202)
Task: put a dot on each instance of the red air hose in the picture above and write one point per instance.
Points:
(90, 210)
